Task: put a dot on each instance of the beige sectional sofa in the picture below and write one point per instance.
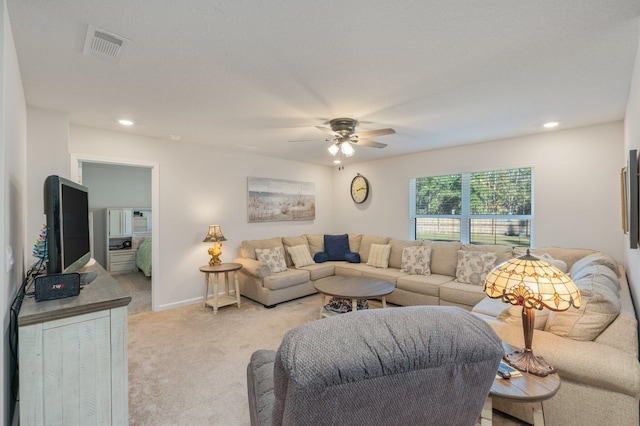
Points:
(594, 349)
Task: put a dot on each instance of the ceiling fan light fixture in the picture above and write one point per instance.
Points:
(347, 149)
(333, 149)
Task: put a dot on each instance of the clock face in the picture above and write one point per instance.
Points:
(359, 189)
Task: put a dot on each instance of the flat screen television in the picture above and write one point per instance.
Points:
(66, 206)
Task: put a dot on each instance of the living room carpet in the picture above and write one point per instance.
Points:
(187, 366)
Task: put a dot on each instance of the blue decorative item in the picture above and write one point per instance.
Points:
(352, 257)
(320, 257)
(336, 246)
(40, 247)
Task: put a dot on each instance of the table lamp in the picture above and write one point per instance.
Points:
(215, 235)
(533, 284)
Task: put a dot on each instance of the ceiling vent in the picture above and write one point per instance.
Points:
(103, 44)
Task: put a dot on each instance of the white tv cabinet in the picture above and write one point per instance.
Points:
(73, 357)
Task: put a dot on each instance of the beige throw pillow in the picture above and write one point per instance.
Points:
(597, 258)
(513, 316)
(473, 266)
(416, 260)
(595, 314)
(300, 255)
(379, 255)
(273, 257)
(560, 264)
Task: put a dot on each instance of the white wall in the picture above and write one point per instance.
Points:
(632, 141)
(200, 186)
(48, 154)
(12, 197)
(117, 186)
(576, 185)
(113, 186)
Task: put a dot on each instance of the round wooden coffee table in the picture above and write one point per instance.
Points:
(353, 288)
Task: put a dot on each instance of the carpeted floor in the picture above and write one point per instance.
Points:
(187, 366)
(139, 287)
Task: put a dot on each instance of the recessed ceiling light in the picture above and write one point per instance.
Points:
(336, 161)
(550, 125)
(126, 122)
(175, 137)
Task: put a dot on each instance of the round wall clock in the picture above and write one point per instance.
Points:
(359, 189)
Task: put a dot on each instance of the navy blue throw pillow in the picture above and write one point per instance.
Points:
(336, 246)
(352, 257)
(320, 257)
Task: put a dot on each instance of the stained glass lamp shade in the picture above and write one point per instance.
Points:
(533, 284)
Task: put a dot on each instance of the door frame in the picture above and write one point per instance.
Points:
(75, 174)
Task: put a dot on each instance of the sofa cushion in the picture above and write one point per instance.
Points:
(423, 284)
(365, 245)
(601, 272)
(286, 279)
(379, 255)
(558, 263)
(316, 243)
(336, 246)
(444, 257)
(248, 247)
(300, 255)
(354, 242)
(292, 242)
(395, 257)
(502, 252)
(600, 306)
(568, 255)
(415, 260)
(513, 315)
(350, 269)
(473, 266)
(461, 294)
(320, 270)
(386, 274)
(273, 257)
(596, 259)
(508, 313)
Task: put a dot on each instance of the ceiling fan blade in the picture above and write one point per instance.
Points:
(327, 130)
(365, 142)
(372, 133)
(310, 140)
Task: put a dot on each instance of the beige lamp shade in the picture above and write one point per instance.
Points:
(214, 234)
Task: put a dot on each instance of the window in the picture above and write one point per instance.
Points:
(493, 207)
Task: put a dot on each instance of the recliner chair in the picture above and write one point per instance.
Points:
(420, 365)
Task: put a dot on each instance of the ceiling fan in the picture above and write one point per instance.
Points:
(343, 135)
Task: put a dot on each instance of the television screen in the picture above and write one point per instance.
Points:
(68, 238)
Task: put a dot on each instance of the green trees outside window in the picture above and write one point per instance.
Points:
(492, 207)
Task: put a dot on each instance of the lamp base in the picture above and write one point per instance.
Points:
(525, 360)
(215, 252)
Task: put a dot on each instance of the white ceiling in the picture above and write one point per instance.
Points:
(253, 75)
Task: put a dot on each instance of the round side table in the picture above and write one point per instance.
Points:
(524, 388)
(225, 299)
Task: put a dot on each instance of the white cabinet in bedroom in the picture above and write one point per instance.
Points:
(119, 223)
(120, 255)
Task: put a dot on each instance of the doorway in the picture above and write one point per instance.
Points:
(76, 173)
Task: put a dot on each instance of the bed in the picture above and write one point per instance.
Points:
(143, 258)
